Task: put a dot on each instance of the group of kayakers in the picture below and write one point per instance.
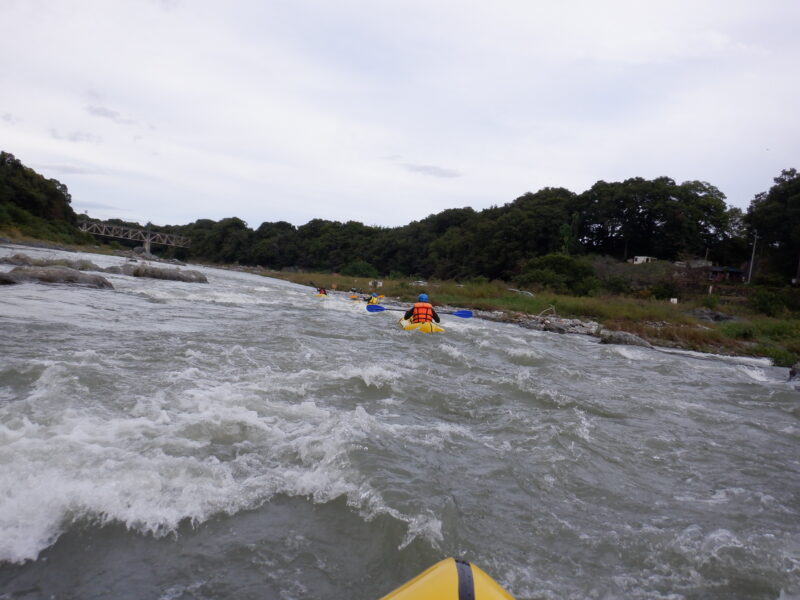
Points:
(421, 312)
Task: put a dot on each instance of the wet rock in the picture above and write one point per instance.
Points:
(17, 259)
(188, 276)
(553, 327)
(25, 260)
(622, 337)
(7, 279)
(794, 371)
(59, 274)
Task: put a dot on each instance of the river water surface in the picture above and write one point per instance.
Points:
(244, 439)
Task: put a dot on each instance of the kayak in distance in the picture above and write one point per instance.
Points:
(450, 579)
(429, 327)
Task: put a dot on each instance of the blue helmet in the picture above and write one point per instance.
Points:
(423, 297)
(374, 295)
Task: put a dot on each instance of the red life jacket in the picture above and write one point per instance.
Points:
(423, 313)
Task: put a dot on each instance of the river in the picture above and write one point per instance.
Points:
(243, 439)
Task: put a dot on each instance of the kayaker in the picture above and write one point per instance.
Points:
(373, 299)
(422, 311)
(322, 291)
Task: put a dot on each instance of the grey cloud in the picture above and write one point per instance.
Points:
(76, 136)
(66, 169)
(107, 113)
(432, 170)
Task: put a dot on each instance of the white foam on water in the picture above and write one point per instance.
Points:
(427, 526)
(374, 375)
(584, 425)
(188, 455)
(522, 352)
(744, 360)
(633, 353)
(754, 373)
(452, 352)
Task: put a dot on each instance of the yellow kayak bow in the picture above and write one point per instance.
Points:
(450, 579)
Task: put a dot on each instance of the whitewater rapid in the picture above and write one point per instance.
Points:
(300, 447)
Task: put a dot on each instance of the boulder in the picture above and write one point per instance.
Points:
(553, 327)
(17, 259)
(59, 274)
(24, 259)
(188, 276)
(622, 337)
(794, 371)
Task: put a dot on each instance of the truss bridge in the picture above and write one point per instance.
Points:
(129, 233)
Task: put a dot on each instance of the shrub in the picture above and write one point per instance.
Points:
(739, 331)
(559, 272)
(780, 356)
(666, 289)
(617, 285)
(767, 302)
(359, 268)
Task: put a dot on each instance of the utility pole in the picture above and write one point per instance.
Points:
(753, 257)
(797, 279)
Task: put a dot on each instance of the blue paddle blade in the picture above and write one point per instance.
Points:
(464, 314)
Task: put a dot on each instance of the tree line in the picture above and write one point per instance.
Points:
(658, 217)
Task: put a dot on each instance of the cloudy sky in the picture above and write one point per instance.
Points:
(386, 111)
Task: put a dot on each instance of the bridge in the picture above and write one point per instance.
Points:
(129, 233)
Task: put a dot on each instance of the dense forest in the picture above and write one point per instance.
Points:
(539, 235)
(36, 206)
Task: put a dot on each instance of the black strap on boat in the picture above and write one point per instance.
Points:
(466, 586)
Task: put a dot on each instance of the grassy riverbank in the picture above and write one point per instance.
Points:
(658, 321)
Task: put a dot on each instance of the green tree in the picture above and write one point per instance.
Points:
(775, 215)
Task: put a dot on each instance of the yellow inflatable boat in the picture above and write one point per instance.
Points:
(429, 327)
(450, 579)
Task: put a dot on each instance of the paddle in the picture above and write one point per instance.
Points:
(464, 314)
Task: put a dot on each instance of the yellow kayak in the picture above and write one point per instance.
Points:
(429, 327)
(450, 579)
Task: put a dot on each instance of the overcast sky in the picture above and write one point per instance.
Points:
(384, 111)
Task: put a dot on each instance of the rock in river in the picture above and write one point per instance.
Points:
(57, 275)
(622, 337)
(172, 274)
